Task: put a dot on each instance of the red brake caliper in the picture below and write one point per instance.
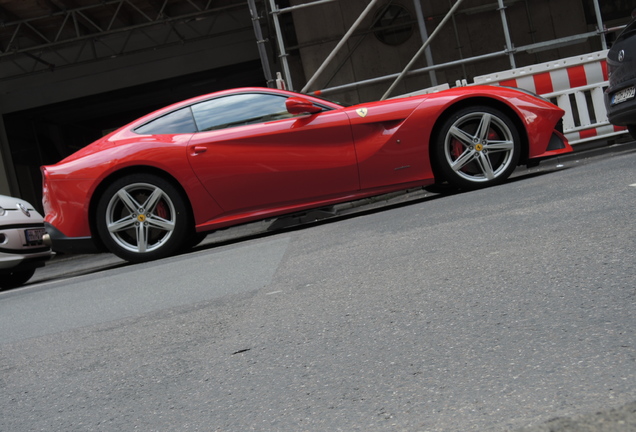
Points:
(161, 210)
(456, 149)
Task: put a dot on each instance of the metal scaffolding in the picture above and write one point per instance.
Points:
(509, 50)
(62, 33)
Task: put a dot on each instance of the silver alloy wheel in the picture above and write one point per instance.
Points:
(140, 217)
(479, 147)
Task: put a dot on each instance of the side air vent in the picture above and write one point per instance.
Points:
(556, 143)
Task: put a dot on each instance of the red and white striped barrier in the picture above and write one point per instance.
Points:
(576, 84)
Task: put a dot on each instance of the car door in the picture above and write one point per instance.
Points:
(251, 154)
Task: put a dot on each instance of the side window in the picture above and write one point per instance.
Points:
(239, 110)
(177, 122)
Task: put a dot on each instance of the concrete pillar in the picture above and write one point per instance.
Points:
(6, 167)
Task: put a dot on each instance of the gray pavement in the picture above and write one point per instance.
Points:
(621, 419)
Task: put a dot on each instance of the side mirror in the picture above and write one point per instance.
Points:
(298, 105)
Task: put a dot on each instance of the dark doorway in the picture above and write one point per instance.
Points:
(45, 135)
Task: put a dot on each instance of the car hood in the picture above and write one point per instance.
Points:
(11, 203)
(18, 211)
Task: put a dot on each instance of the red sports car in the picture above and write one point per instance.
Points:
(157, 185)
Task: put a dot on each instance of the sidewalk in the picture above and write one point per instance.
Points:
(621, 419)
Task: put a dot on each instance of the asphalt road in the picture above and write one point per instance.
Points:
(510, 308)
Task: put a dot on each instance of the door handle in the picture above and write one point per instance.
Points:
(198, 149)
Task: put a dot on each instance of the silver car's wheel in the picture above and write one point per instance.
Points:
(15, 278)
(142, 217)
(477, 147)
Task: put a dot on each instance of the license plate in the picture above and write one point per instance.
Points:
(34, 236)
(623, 95)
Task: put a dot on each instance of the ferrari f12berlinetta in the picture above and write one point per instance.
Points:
(155, 186)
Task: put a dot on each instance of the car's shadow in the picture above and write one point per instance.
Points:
(349, 210)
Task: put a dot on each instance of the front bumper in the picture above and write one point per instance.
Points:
(10, 262)
(623, 114)
(557, 145)
(16, 252)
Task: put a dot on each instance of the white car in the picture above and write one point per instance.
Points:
(21, 246)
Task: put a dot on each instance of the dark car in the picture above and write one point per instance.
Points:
(621, 63)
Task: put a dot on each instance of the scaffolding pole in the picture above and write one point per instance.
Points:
(281, 44)
(424, 35)
(601, 26)
(279, 34)
(376, 80)
(422, 48)
(504, 23)
(338, 47)
(260, 43)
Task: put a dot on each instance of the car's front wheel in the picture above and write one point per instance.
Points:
(142, 217)
(476, 147)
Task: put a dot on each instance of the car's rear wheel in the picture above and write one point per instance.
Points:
(476, 147)
(15, 279)
(142, 217)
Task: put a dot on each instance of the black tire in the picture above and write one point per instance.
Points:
(476, 147)
(632, 131)
(143, 217)
(15, 279)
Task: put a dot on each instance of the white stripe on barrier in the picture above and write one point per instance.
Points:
(594, 72)
(560, 80)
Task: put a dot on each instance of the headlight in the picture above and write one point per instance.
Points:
(2, 211)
